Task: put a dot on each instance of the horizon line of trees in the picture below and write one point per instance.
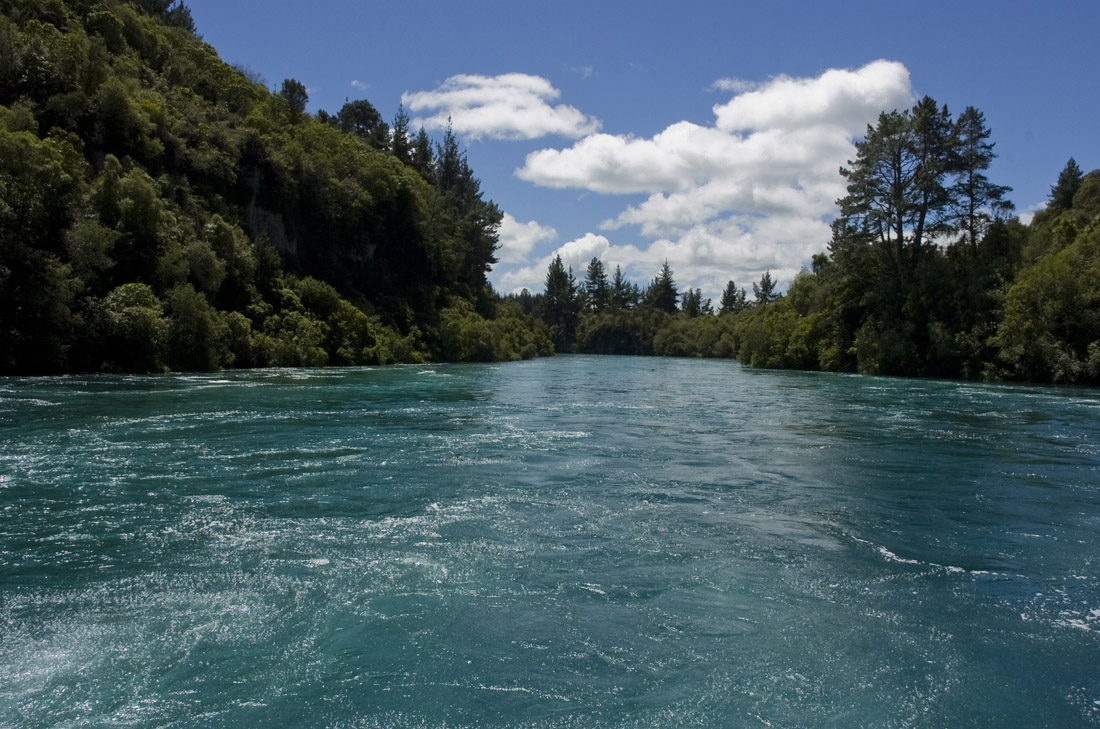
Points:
(617, 316)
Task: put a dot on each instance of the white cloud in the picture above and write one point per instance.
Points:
(518, 239)
(736, 85)
(674, 159)
(577, 254)
(752, 192)
(848, 99)
(510, 106)
(359, 85)
(705, 256)
(741, 248)
(1028, 213)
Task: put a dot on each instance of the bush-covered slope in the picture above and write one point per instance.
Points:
(158, 209)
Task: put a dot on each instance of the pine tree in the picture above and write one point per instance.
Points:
(401, 144)
(477, 219)
(596, 287)
(450, 162)
(560, 304)
(624, 295)
(423, 159)
(662, 294)
(973, 193)
(693, 304)
(733, 299)
(1062, 192)
(896, 185)
(765, 291)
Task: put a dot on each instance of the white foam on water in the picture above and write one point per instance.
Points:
(1079, 620)
(894, 558)
(28, 401)
(891, 557)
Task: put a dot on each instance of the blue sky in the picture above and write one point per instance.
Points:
(704, 133)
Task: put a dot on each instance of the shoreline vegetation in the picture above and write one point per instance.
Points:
(162, 210)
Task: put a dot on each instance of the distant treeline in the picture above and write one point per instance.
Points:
(927, 274)
(160, 209)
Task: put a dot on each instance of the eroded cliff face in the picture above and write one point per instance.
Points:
(265, 224)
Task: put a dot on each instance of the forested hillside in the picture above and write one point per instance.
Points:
(928, 274)
(160, 209)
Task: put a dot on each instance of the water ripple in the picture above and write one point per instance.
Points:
(576, 542)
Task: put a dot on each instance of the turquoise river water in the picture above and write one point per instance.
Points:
(567, 542)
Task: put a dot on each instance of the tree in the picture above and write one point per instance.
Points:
(596, 287)
(197, 338)
(693, 304)
(171, 12)
(133, 329)
(560, 304)
(662, 294)
(934, 146)
(423, 160)
(180, 17)
(918, 176)
(296, 97)
(363, 120)
(896, 185)
(624, 294)
(973, 193)
(818, 263)
(765, 291)
(401, 144)
(733, 299)
(475, 221)
(449, 160)
(1069, 180)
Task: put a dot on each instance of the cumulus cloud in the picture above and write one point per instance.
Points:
(848, 99)
(576, 254)
(518, 239)
(510, 106)
(753, 191)
(357, 84)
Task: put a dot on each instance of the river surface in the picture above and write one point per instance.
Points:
(567, 542)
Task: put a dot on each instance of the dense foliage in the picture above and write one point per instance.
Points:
(927, 275)
(159, 209)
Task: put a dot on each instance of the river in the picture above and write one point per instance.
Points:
(567, 542)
